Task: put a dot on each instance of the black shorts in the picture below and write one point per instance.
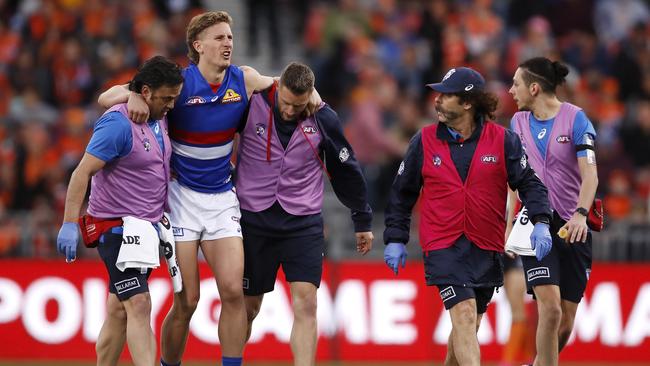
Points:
(123, 284)
(452, 295)
(464, 271)
(510, 263)
(301, 258)
(566, 265)
(463, 264)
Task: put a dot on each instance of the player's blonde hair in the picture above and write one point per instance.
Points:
(200, 23)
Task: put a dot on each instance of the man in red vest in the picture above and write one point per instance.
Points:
(460, 168)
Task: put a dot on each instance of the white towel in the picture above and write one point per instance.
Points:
(139, 245)
(168, 245)
(519, 239)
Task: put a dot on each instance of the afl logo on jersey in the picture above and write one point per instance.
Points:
(489, 159)
(230, 97)
(259, 129)
(563, 139)
(436, 160)
(309, 129)
(195, 100)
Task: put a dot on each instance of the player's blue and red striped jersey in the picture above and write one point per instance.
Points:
(202, 125)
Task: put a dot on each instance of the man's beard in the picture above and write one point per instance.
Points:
(449, 116)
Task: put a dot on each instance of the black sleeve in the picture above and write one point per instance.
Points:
(343, 168)
(404, 193)
(522, 178)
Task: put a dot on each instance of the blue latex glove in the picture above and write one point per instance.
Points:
(540, 240)
(66, 241)
(394, 254)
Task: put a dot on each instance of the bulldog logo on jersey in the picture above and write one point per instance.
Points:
(259, 129)
(344, 155)
(195, 100)
(147, 144)
(437, 161)
(230, 97)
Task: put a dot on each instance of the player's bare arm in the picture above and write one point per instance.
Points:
(577, 225)
(136, 106)
(88, 166)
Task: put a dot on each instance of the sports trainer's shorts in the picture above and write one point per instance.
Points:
(203, 216)
(123, 284)
(510, 264)
(464, 271)
(301, 258)
(566, 265)
(452, 295)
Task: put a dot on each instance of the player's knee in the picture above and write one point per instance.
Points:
(186, 303)
(305, 306)
(116, 313)
(465, 313)
(231, 292)
(138, 306)
(551, 313)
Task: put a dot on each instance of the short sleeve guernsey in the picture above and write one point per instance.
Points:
(112, 137)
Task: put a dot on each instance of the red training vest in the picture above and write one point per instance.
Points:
(476, 207)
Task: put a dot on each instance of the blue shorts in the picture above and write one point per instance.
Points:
(123, 284)
(566, 265)
(301, 258)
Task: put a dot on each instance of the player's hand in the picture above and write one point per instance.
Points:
(66, 241)
(364, 241)
(576, 229)
(137, 108)
(540, 240)
(394, 255)
(314, 103)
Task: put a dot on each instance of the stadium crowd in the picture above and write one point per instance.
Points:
(371, 59)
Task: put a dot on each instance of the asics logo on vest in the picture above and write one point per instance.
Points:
(541, 134)
(489, 159)
(195, 100)
(563, 139)
(539, 272)
(230, 97)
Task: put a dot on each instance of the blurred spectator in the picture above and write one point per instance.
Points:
(618, 201)
(635, 135)
(613, 19)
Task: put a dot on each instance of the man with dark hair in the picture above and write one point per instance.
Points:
(560, 142)
(129, 166)
(280, 187)
(204, 207)
(460, 168)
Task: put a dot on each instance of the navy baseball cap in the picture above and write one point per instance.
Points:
(459, 80)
